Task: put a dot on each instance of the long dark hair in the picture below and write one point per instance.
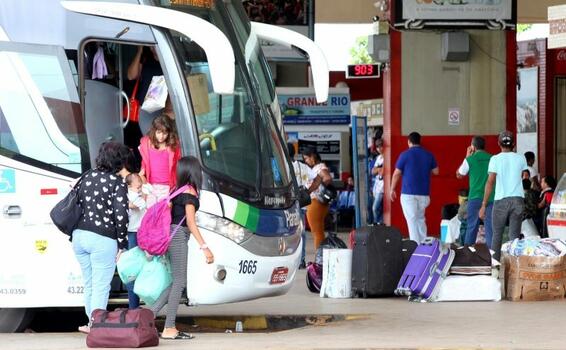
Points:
(189, 172)
(164, 124)
(311, 152)
(112, 157)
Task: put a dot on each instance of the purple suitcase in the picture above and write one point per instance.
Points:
(426, 270)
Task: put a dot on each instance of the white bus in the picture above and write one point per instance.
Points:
(54, 115)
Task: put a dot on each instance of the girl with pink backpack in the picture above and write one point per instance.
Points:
(183, 211)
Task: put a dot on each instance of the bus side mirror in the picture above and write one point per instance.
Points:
(291, 39)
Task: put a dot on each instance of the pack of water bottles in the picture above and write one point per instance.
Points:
(531, 246)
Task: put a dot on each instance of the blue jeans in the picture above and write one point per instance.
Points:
(508, 208)
(97, 256)
(133, 299)
(377, 208)
(473, 222)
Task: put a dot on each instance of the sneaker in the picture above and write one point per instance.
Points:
(302, 265)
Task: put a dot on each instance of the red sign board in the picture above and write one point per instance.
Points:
(363, 71)
(279, 275)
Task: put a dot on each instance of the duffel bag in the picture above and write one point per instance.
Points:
(314, 277)
(471, 260)
(122, 328)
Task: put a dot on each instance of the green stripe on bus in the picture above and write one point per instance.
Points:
(242, 213)
(253, 219)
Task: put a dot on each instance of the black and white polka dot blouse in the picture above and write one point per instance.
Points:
(104, 199)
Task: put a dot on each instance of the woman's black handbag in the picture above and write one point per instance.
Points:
(67, 213)
(327, 193)
(304, 197)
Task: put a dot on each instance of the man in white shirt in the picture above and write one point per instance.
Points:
(533, 173)
(505, 170)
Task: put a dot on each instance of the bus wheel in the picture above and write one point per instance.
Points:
(14, 320)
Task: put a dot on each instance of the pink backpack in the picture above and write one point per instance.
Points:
(154, 233)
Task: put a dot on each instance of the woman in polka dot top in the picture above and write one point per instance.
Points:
(101, 234)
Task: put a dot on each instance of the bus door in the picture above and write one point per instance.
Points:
(102, 106)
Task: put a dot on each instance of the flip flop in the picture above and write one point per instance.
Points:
(180, 336)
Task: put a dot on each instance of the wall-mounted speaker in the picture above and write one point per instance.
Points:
(378, 47)
(455, 46)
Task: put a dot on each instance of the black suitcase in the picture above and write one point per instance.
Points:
(407, 249)
(377, 262)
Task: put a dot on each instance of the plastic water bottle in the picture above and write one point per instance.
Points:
(239, 327)
(520, 247)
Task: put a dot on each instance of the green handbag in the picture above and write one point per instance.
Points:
(153, 279)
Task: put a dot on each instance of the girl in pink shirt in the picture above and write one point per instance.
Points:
(160, 152)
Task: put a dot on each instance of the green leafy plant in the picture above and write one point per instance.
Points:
(359, 52)
(523, 27)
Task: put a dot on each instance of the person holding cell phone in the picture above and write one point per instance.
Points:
(475, 167)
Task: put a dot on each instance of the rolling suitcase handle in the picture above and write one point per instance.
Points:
(429, 241)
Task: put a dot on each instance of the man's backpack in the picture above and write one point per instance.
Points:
(154, 233)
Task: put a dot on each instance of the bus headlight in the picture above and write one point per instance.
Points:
(225, 227)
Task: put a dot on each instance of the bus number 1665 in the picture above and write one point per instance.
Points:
(248, 267)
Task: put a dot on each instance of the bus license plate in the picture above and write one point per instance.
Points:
(279, 275)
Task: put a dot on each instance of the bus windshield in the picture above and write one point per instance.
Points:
(237, 132)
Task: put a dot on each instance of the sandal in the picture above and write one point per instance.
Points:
(84, 329)
(179, 335)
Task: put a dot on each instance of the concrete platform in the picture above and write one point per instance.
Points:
(392, 323)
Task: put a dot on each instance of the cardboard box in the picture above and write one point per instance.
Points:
(198, 88)
(532, 278)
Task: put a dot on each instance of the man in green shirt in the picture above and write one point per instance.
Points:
(475, 166)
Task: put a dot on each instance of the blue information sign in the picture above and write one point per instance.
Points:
(361, 176)
(302, 108)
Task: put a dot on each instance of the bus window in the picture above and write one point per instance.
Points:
(41, 118)
(7, 141)
(227, 127)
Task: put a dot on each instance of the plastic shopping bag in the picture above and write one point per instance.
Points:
(450, 230)
(529, 229)
(156, 95)
(130, 264)
(153, 279)
(336, 273)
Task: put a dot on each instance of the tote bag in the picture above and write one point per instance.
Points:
(67, 213)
